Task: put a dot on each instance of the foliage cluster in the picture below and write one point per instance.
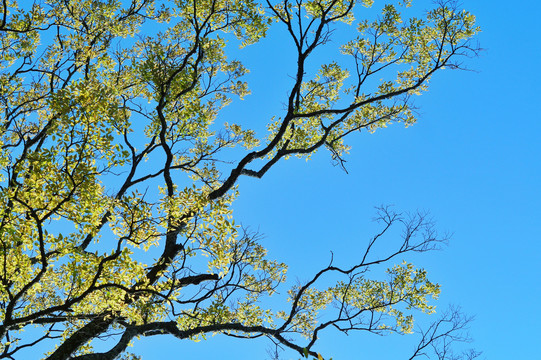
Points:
(102, 100)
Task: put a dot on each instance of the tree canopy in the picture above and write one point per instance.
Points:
(119, 176)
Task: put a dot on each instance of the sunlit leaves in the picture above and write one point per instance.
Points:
(406, 289)
(117, 187)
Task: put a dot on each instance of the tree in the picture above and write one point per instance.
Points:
(113, 149)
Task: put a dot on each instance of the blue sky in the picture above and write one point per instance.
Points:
(472, 160)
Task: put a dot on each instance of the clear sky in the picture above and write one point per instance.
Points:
(472, 160)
